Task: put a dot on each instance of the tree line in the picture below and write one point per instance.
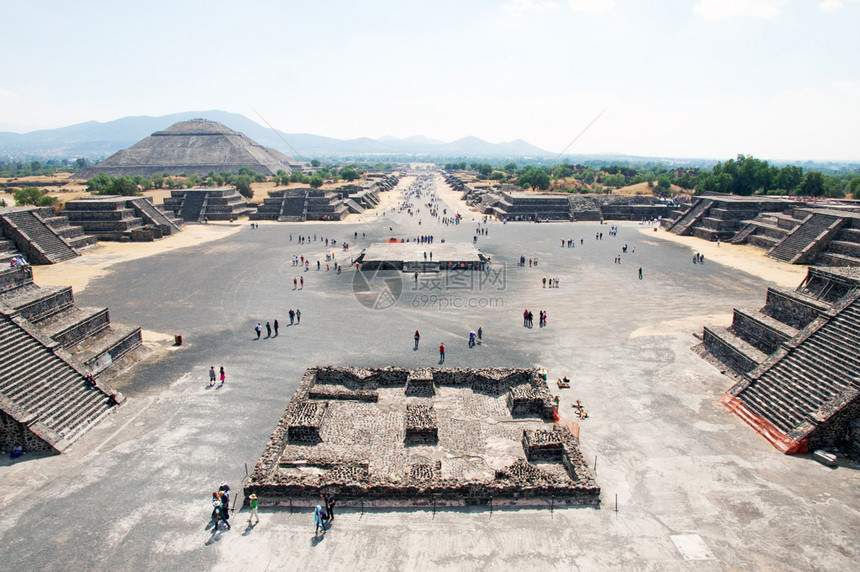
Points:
(744, 175)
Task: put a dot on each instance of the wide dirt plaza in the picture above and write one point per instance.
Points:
(684, 483)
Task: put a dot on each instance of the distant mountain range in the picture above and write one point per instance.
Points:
(95, 140)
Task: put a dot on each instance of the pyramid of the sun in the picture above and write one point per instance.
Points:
(192, 147)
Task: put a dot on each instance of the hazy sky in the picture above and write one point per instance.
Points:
(777, 79)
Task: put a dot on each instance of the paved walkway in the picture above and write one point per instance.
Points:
(691, 480)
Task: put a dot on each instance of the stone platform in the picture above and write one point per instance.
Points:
(410, 256)
(476, 436)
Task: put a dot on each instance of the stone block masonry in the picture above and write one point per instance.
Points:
(393, 436)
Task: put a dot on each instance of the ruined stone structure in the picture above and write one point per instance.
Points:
(791, 231)
(40, 236)
(197, 205)
(804, 235)
(393, 436)
(798, 362)
(713, 217)
(48, 346)
(110, 217)
(510, 202)
(301, 204)
(193, 147)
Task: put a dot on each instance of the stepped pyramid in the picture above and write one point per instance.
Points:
(797, 362)
(48, 347)
(192, 147)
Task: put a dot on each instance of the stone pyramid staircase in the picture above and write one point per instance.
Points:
(47, 348)
(800, 245)
(152, 215)
(193, 205)
(691, 217)
(45, 246)
(802, 389)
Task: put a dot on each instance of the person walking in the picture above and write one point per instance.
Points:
(292, 317)
(526, 317)
(268, 330)
(295, 284)
(329, 501)
(298, 316)
(211, 375)
(223, 375)
(318, 520)
(216, 510)
(259, 329)
(301, 282)
(472, 337)
(544, 281)
(252, 502)
(276, 328)
(640, 273)
(417, 338)
(225, 508)
(441, 353)
(480, 334)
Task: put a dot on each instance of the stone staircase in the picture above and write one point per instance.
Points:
(8, 251)
(152, 215)
(193, 205)
(745, 232)
(353, 206)
(47, 396)
(46, 246)
(812, 375)
(798, 360)
(691, 217)
(803, 239)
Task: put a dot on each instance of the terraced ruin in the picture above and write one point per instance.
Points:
(395, 436)
(798, 363)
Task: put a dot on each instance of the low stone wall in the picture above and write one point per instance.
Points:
(298, 479)
(420, 421)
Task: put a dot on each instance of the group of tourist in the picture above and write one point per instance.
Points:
(571, 242)
(532, 261)
(324, 513)
(212, 375)
(18, 262)
(698, 258)
(295, 318)
(551, 283)
(221, 507)
(476, 337)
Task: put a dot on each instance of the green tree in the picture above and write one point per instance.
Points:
(316, 181)
(47, 201)
(243, 185)
(28, 196)
(854, 187)
(812, 184)
(834, 187)
(157, 180)
(510, 168)
(315, 162)
(561, 171)
(99, 183)
(537, 179)
(349, 174)
(121, 186)
(81, 162)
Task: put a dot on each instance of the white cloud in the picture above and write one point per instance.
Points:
(830, 5)
(727, 9)
(591, 5)
(520, 7)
